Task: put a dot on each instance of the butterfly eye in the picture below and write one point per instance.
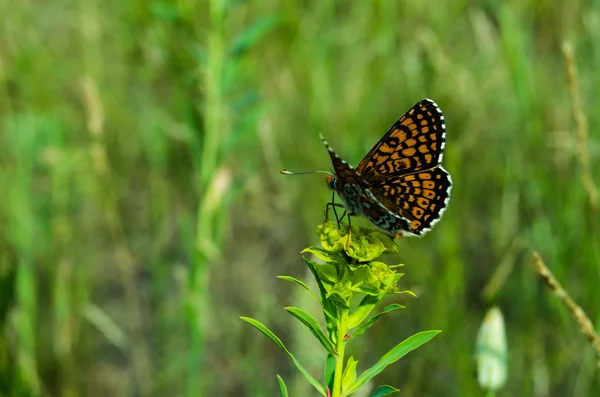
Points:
(331, 182)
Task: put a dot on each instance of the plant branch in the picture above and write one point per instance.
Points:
(585, 324)
(582, 127)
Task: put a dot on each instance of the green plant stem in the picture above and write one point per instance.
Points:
(198, 302)
(491, 394)
(341, 346)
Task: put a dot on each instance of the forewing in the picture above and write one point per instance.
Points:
(414, 143)
(421, 197)
(344, 171)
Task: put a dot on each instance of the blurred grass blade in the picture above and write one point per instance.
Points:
(23, 322)
(106, 325)
(253, 34)
(384, 390)
(300, 283)
(313, 325)
(363, 328)
(282, 387)
(258, 325)
(392, 356)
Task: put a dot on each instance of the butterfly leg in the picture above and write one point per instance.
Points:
(333, 205)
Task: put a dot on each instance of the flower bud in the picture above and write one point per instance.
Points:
(491, 352)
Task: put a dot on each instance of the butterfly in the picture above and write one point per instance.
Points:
(400, 186)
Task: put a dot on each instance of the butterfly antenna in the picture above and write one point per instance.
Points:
(286, 172)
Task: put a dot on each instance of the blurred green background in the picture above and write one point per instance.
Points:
(142, 210)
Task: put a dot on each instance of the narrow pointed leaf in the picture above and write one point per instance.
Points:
(407, 292)
(349, 373)
(363, 310)
(384, 390)
(329, 308)
(300, 283)
(282, 388)
(327, 256)
(253, 34)
(313, 326)
(363, 328)
(329, 371)
(392, 356)
(258, 325)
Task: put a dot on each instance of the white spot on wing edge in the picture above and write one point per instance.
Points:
(442, 118)
(441, 213)
(326, 144)
(330, 149)
(446, 201)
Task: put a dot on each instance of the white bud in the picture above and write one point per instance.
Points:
(491, 351)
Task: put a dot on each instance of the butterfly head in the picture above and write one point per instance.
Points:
(331, 181)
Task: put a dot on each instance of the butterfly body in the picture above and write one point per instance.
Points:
(399, 186)
(359, 201)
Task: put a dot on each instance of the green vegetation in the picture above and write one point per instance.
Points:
(142, 210)
(351, 282)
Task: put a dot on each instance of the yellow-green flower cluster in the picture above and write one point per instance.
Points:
(351, 264)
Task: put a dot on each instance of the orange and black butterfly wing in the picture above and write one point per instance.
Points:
(381, 217)
(414, 143)
(420, 197)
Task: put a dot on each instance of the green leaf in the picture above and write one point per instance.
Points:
(392, 356)
(407, 292)
(349, 373)
(363, 310)
(282, 388)
(300, 283)
(340, 298)
(363, 328)
(369, 290)
(328, 273)
(390, 245)
(329, 371)
(313, 326)
(278, 342)
(253, 34)
(384, 390)
(331, 313)
(244, 102)
(165, 11)
(327, 256)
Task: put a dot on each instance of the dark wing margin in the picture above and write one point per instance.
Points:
(421, 197)
(414, 143)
